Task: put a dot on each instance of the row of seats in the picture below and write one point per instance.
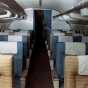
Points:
(75, 38)
(6, 72)
(76, 72)
(65, 47)
(17, 46)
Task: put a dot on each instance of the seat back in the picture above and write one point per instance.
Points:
(6, 71)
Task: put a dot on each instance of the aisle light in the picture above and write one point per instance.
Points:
(8, 14)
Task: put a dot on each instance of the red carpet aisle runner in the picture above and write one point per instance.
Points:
(39, 75)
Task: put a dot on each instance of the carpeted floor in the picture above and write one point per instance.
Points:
(39, 75)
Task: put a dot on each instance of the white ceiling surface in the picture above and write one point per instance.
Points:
(58, 4)
(26, 24)
(28, 3)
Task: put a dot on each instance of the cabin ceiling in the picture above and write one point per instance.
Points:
(18, 6)
(64, 4)
(59, 5)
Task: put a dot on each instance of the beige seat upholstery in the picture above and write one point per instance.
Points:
(72, 79)
(6, 71)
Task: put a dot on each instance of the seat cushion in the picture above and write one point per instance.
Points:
(81, 81)
(5, 82)
(6, 65)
